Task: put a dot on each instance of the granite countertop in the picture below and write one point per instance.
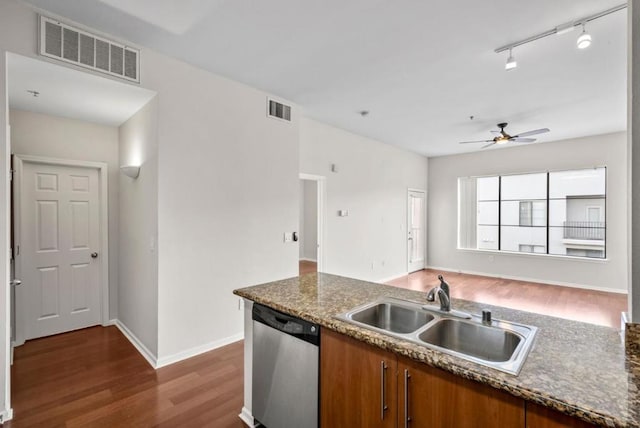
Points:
(576, 368)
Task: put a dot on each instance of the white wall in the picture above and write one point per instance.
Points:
(371, 183)
(633, 164)
(609, 150)
(214, 144)
(309, 220)
(15, 22)
(227, 192)
(56, 137)
(138, 233)
(5, 149)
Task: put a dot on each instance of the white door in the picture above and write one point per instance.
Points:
(417, 232)
(59, 238)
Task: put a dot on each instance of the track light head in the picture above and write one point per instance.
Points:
(511, 62)
(584, 40)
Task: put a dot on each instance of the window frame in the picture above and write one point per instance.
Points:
(547, 226)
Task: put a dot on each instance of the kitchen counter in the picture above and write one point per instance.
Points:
(576, 368)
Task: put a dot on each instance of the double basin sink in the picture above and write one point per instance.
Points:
(497, 344)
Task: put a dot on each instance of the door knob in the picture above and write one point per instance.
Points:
(94, 255)
(15, 282)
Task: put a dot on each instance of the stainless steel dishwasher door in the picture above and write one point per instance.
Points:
(285, 377)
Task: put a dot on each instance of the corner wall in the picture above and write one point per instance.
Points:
(609, 150)
(371, 183)
(217, 230)
(57, 137)
(5, 321)
(228, 189)
(138, 233)
(633, 166)
(15, 36)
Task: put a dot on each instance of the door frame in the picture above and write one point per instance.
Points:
(409, 191)
(321, 187)
(18, 161)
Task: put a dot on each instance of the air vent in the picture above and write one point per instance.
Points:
(70, 44)
(278, 110)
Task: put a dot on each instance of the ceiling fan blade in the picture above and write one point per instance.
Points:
(534, 132)
(488, 145)
(522, 140)
(480, 141)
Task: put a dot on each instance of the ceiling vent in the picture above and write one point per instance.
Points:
(70, 44)
(277, 110)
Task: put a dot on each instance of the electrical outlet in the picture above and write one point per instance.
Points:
(288, 237)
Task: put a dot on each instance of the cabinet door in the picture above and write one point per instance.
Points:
(357, 383)
(430, 397)
(544, 417)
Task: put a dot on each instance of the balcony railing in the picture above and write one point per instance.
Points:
(587, 230)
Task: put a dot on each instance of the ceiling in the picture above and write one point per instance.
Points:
(421, 68)
(70, 93)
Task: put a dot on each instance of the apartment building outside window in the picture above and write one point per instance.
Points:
(556, 212)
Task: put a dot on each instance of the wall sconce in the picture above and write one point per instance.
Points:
(130, 171)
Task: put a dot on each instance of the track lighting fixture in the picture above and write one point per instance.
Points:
(511, 61)
(584, 41)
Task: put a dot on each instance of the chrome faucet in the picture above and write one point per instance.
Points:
(443, 293)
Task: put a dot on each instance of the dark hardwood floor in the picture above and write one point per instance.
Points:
(306, 266)
(594, 307)
(96, 378)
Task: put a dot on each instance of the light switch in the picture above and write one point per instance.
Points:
(288, 237)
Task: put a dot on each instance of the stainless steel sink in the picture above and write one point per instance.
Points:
(472, 339)
(498, 344)
(392, 317)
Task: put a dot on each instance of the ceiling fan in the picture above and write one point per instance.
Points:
(501, 137)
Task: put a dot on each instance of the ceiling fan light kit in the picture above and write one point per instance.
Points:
(583, 42)
(501, 137)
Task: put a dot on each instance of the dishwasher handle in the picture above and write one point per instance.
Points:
(285, 323)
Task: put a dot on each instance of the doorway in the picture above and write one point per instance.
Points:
(60, 246)
(311, 224)
(64, 132)
(416, 230)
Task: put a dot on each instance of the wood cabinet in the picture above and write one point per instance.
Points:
(364, 386)
(357, 383)
(430, 397)
(544, 417)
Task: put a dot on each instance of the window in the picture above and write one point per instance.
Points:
(532, 213)
(559, 212)
(525, 248)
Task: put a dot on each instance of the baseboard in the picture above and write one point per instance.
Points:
(7, 415)
(537, 280)
(148, 355)
(246, 417)
(113, 321)
(183, 355)
(391, 278)
(306, 259)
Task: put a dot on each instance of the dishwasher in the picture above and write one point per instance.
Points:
(285, 370)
